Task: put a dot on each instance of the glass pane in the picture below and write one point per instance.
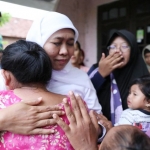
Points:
(113, 13)
(105, 16)
(123, 12)
(143, 7)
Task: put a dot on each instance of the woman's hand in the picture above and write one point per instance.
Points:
(104, 121)
(27, 118)
(83, 127)
(109, 63)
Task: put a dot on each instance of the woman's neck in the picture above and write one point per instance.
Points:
(30, 91)
(32, 86)
(34, 91)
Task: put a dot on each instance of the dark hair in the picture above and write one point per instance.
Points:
(146, 51)
(83, 55)
(144, 85)
(81, 52)
(78, 44)
(140, 141)
(27, 61)
(125, 137)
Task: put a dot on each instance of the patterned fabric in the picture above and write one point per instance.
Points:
(148, 132)
(115, 101)
(137, 118)
(11, 141)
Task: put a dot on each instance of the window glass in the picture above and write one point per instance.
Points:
(143, 7)
(113, 13)
(105, 16)
(122, 12)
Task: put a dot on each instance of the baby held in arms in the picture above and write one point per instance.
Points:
(138, 102)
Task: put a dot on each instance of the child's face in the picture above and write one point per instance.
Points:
(136, 99)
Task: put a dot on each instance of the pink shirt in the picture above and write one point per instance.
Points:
(11, 141)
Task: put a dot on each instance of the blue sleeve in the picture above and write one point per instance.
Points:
(97, 81)
(92, 68)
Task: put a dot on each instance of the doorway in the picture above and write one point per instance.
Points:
(124, 14)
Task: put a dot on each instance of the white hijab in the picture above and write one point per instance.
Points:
(40, 31)
(46, 25)
(148, 48)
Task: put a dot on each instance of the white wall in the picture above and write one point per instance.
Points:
(91, 30)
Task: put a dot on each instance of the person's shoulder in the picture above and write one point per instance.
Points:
(133, 111)
(94, 65)
(6, 93)
(84, 68)
(92, 68)
(80, 72)
(128, 111)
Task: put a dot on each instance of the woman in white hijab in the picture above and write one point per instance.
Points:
(57, 35)
(146, 56)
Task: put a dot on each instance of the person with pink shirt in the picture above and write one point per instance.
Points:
(26, 69)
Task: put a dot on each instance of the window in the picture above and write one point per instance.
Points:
(113, 13)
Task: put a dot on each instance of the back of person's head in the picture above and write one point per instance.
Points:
(27, 61)
(125, 137)
(144, 85)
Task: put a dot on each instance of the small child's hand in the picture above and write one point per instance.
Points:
(138, 125)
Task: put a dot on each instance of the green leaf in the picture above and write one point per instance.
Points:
(4, 18)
